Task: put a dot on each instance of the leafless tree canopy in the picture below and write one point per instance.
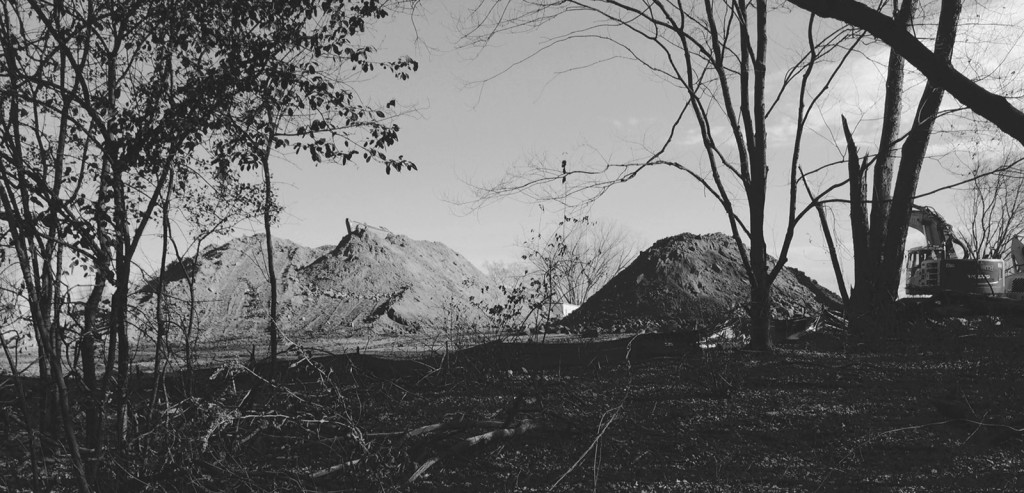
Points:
(934, 65)
(579, 257)
(991, 207)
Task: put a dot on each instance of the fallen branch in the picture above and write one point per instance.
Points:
(524, 427)
(454, 425)
(961, 413)
(333, 469)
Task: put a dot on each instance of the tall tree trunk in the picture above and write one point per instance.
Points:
(161, 324)
(93, 398)
(863, 309)
(48, 404)
(882, 184)
(760, 279)
(914, 150)
(872, 305)
(190, 327)
(52, 272)
(119, 307)
(268, 204)
(98, 385)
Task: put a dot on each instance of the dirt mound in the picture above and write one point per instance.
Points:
(685, 282)
(371, 283)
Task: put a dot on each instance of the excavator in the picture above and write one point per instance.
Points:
(984, 284)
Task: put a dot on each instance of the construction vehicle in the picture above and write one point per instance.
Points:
(937, 269)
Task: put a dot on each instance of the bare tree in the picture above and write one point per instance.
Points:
(991, 208)
(879, 236)
(579, 257)
(565, 264)
(506, 273)
(716, 53)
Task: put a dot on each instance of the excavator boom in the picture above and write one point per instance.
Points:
(929, 222)
(936, 230)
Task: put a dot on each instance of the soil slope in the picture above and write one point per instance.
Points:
(371, 283)
(687, 282)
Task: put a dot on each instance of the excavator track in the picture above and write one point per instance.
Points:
(951, 304)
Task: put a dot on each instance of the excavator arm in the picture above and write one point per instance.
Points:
(929, 222)
(936, 230)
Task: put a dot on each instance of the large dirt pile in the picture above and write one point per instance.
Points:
(684, 282)
(371, 283)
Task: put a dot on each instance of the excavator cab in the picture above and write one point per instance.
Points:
(1015, 278)
(923, 266)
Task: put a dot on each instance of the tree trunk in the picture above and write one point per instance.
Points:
(867, 297)
(872, 305)
(190, 323)
(161, 324)
(858, 204)
(190, 327)
(760, 279)
(914, 150)
(268, 204)
(760, 311)
(93, 397)
(119, 306)
(69, 422)
(893, 106)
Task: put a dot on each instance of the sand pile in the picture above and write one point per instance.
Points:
(371, 283)
(688, 282)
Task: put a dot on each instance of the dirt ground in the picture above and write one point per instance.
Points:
(935, 409)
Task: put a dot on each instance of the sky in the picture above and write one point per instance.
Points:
(474, 114)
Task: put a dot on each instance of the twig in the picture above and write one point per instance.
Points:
(869, 438)
(602, 427)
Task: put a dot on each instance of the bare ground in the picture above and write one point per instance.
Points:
(936, 409)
